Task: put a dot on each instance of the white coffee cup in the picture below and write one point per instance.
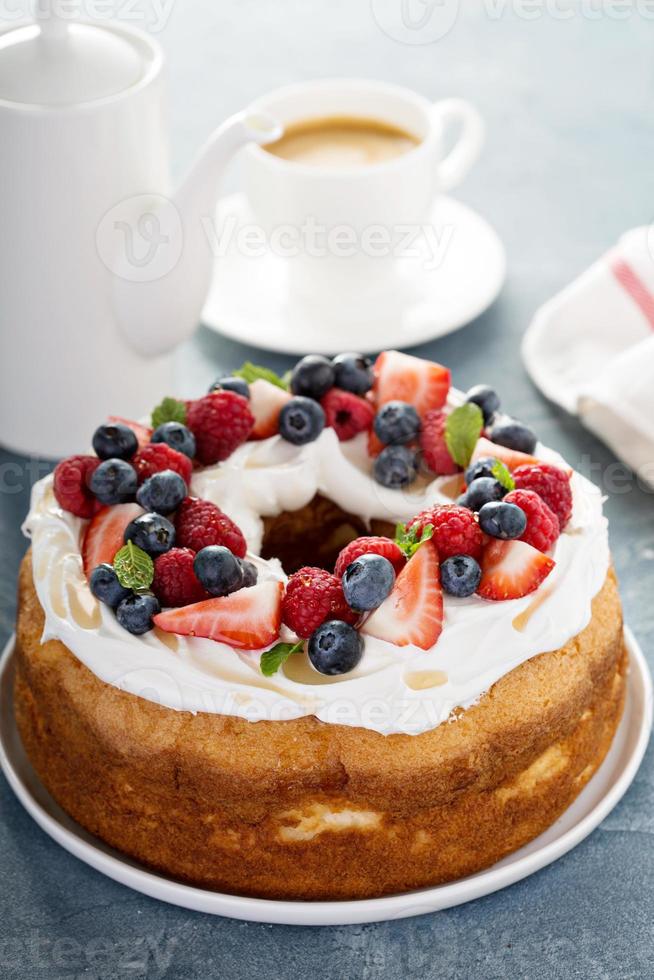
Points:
(340, 227)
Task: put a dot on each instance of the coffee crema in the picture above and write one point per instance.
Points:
(342, 141)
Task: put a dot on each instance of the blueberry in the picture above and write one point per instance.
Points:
(396, 466)
(353, 372)
(482, 467)
(502, 520)
(219, 571)
(106, 587)
(151, 532)
(460, 575)
(335, 647)
(397, 423)
(162, 492)
(136, 611)
(301, 420)
(481, 491)
(313, 376)
(238, 385)
(487, 399)
(114, 441)
(250, 574)
(513, 434)
(177, 436)
(367, 581)
(114, 482)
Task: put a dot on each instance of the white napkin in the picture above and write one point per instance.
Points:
(591, 349)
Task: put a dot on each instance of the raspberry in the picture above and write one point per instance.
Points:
(157, 456)
(552, 484)
(370, 546)
(347, 413)
(542, 523)
(199, 523)
(71, 485)
(456, 531)
(313, 596)
(175, 583)
(220, 422)
(432, 443)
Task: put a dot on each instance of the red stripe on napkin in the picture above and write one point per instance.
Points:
(636, 288)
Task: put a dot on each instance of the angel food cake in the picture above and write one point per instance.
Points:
(333, 636)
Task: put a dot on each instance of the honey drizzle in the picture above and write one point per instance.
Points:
(522, 619)
(298, 669)
(84, 608)
(422, 680)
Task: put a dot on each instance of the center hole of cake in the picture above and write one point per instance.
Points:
(313, 535)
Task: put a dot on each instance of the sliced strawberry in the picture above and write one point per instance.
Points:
(266, 402)
(142, 432)
(511, 458)
(375, 445)
(249, 619)
(104, 534)
(512, 569)
(434, 447)
(413, 612)
(424, 384)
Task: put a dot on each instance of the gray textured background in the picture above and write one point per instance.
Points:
(566, 169)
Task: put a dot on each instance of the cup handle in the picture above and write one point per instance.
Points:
(453, 168)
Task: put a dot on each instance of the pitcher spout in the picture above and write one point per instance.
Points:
(158, 297)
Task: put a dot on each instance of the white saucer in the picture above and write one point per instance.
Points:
(250, 300)
(598, 798)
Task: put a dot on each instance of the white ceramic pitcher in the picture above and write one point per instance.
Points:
(102, 271)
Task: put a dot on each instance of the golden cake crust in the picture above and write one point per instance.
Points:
(303, 809)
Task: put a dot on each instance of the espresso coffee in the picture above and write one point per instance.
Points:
(342, 141)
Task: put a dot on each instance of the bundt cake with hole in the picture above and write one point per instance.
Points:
(332, 636)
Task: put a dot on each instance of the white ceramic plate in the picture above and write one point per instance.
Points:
(250, 301)
(598, 798)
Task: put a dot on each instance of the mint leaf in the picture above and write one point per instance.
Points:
(409, 540)
(170, 410)
(462, 430)
(253, 372)
(272, 659)
(133, 567)
(502, 475)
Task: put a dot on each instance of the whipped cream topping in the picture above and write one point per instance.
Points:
(393, 689)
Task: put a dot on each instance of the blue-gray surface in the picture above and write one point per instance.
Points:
(567, 93)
